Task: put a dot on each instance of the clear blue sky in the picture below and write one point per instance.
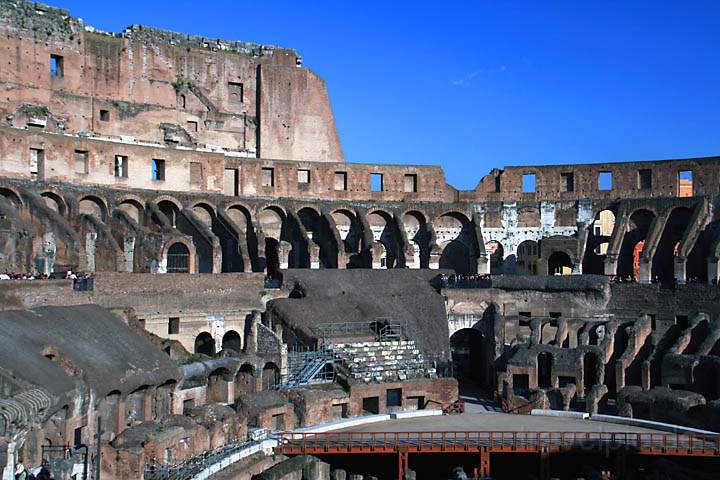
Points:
(477, 85)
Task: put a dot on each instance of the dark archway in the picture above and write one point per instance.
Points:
(560, 263)
(544, 369)
(472, 358)
(497, 256)
(272, 257)
(205, 344)
(178, 258)
(217, 386)
(598, 242)
(590, 367)
(231, 341)
(629, 257)
(663, 263)
(527, 257)
(245, 380)
(270, 376)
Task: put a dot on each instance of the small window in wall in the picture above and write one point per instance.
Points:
(410, 183)
(37, 157)
(565, 381)
(371, 405)
(158, 170)
(56, 66)
(555, 314)
(231, 182)
(173, 325)
(528, 183)
(376, 182)
(141, 321)
(685, 183)
(77, 437)
(340, 180)
(121, 166)
(605, 181)
(183, 101)
(497, 184)
(340, 410)
(267, 178)
(81, 162)
(278, 422)
(681, 321)
(568, 181)
(188, 405)
(644, 179)
(394, 397)
(521, 383)
(104, 115)
(653, 321)
(196, 173)
(192, 126)
(235, 92)
(525, 314)
(303, 176)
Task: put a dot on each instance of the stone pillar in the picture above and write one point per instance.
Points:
(645, 271)
(251, 332)
(713, 271)
(9, 470)
(283, 254)
(314, 251)
(680, 268)
(434, 260)
(645, 374)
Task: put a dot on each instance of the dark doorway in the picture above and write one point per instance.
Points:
(545, 362)
(205, 344)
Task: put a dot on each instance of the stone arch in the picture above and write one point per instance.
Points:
(668, 247)
(496, 252)
(170, 209)
(204, 212)
(205, 344)
(133, 208)
(383, 231)
(245, 379)
(638, 228)
(12, 195)
(472, 357)
(348, 227)
(232, 341)
(560, 263)
(240, 215)
(598, 242)
(455, 235)
(272, 221)
(270, 375)
(178, 255)
(55, 202)
(94, 206)
(527, 257)
(420, 237)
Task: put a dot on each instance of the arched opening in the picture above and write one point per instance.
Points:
(348, 228)
(109, 411)
(231, 341)
(92, 206)
(272, 257)
(633, 243)
(135, 406)
(245, 380)
(319, 233)
(178, 258)
(560, 263)
(162, 401)
(133, 210)
(381, 225)
(418, 234)
(697, 261)
(170, 210)
(544, 369)
(472, 361)
(663, 263)
(217, 386)
(497, 255)
(456, 234)
(527, 257)
(590, 367)
(270, 376)
(598, 242)
(54, 202)
(11, 196)
(205, 344)
(272, 224)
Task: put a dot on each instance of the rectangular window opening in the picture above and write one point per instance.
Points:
(528, 183)
(81, 161)
(158, 170)
(525, 314)
(393, 397)
(644, 179)
(410, 183)
(497, 184)
(235, 92)
(340, 180)
(268, 177)
(77, 437)
(685, 183)
(173, 325)
(376, 182)
(681, 321)
(37, 157)
(303, 176)
(371, 405)
(56, 66)
(192, 126)
(231, 182)
(568, 181)
(521, 383)
(104, 115)
(196, 173)
(605, 181)
(121, 166)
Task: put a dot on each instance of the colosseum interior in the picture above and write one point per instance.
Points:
(237, 280)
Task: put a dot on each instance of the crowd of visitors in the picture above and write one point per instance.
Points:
(466, 281)
(69, 275)
(656, 279)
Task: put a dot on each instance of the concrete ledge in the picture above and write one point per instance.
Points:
(430, 412)
(558, 413)
(340, 424)
(636, 422)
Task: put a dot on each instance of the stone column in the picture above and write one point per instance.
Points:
(680, 269)
(713, 271)
(314, 251)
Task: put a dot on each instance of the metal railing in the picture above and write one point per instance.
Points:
(187, 468)
(497, 441)
(380, 328)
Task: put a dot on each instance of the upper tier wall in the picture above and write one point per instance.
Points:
(241, 97)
